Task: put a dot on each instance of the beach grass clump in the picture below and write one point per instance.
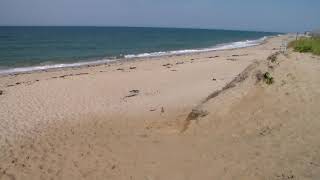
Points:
(305, 45)
(268, 78)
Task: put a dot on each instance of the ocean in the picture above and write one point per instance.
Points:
(35, 48)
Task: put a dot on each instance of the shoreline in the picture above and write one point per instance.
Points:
(136, 57)
(130, 73)
(196, 116)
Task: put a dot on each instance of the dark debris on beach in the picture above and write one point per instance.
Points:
(133, 93)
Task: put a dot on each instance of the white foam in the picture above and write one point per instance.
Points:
(53, 66)
(234, 45)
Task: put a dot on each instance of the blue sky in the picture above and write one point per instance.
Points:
(265, 15)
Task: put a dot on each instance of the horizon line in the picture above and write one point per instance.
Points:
(160, 27)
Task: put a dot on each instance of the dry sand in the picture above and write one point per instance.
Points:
(195, 116)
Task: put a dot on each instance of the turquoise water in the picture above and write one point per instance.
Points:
(47, 46)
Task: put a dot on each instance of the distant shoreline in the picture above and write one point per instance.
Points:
(134, 57)
(24, 49)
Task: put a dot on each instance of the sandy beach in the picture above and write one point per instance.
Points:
(203, 116)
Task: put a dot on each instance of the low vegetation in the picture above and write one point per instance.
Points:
(268, 78)
(304, 45)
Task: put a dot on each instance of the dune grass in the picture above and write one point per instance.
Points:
(306, 45)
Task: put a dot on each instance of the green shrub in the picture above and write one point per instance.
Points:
(303, 48)
(304, 45)
(268, 78)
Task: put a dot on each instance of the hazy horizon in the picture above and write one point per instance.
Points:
(107, 26)
(271, 16)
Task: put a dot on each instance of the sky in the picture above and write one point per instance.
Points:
(257, 15)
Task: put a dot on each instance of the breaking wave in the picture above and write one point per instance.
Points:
(233, 45)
